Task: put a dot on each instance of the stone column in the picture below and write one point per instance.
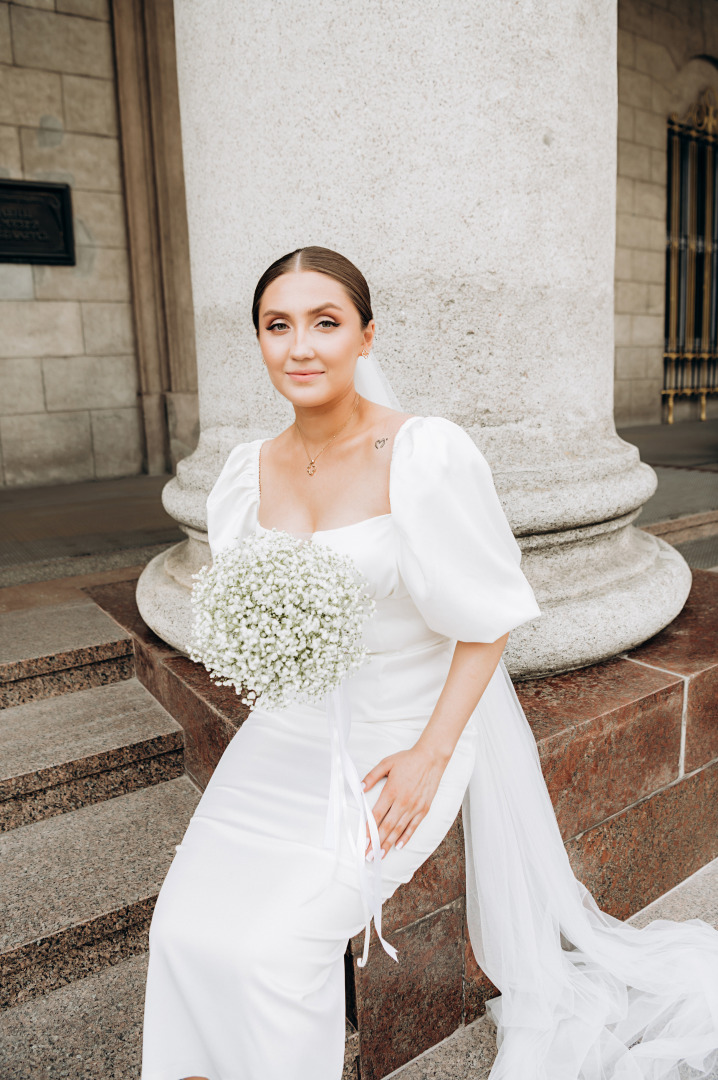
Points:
(463, 156)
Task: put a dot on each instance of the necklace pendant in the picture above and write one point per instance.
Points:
(311, 468)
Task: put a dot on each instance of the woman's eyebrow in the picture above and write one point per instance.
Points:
(312, 311)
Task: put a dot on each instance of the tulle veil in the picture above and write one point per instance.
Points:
(584, 996)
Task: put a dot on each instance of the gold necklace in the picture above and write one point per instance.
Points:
(312, 467)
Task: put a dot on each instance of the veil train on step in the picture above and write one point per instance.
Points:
(583, 995)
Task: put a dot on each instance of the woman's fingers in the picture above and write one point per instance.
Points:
(409, 831)
(392, 824)
(380, 770)
(381, 808)
(397, 831)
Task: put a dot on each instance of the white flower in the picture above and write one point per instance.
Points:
(279, 617)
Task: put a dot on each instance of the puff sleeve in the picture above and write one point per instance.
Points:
(232, 503)
(457, 554)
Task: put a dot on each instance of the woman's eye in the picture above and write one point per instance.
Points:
(276, 325)
(328, 322)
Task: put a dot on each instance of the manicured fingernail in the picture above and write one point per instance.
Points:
(399, 843)
(370, 856)
(363, 784)
(383, 853)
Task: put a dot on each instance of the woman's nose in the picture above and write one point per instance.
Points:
(300, 348)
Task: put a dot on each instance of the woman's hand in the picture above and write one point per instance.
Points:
(413, 775)
(412, 780)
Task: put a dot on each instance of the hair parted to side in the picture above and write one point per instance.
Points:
(324, 261)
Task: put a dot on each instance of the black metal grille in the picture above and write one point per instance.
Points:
(690, 363)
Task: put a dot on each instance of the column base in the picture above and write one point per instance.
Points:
(601, 590)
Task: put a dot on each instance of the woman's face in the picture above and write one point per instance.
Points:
(310, 335)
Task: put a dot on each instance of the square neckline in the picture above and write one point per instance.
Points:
(337, 528)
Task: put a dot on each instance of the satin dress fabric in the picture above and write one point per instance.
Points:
(247, 939)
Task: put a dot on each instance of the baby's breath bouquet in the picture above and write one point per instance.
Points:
(279, 617)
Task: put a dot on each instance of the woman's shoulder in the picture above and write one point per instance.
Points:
(427, 435)
(239, 464)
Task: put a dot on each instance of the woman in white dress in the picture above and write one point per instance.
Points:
(247, 940)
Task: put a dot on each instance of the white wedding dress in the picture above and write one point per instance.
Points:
(247, 940)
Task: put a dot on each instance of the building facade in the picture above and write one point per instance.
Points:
(98, 373)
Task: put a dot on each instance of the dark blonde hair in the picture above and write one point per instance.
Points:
(324, 261)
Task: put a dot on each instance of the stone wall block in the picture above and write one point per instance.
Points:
(650, 129)
(656, 300)
(634, 361)
(650, 201)
(90, 105)
(634, 88)
(99, 218)
(631, 296)
(624, 194)
(622, 329)
(117, 442)
(658, 167)
(623, 266)
(21, 386)
(91, 9)
(16, 281)
(42, 328)
(646, 400)
(710, 28)
(647, 329)
(46, 448)
(58, 42)
(5, 41)
(626, 120)
(10, 159)
(633, 231)
(26, 96)
(90, 382)
(649, 266)
(99, 274)
(654, 59)
(108, 329)
(626, 46)
(85, 161)
(622, 400)
(680, 32)
(656, 234)
(634, 160)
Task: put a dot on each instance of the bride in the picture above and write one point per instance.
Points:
(247, 940)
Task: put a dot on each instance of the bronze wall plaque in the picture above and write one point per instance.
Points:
(36, 223)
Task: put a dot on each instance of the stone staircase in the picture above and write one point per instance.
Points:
(93, 799)
(108, 736)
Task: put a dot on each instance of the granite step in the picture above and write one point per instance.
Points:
(60, 753)
(46, 651)
(92, 1029)
(78, 889)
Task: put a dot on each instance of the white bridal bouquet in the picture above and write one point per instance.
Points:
(280, 617)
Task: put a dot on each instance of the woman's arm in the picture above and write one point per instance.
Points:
(413, 775)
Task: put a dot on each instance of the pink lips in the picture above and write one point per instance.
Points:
(301, 375)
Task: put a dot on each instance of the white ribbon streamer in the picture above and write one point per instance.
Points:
(345, 779)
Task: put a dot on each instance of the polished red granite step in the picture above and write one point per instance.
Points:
(629, 749)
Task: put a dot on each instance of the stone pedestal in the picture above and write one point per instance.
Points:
(465, 162)
(629, 750)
